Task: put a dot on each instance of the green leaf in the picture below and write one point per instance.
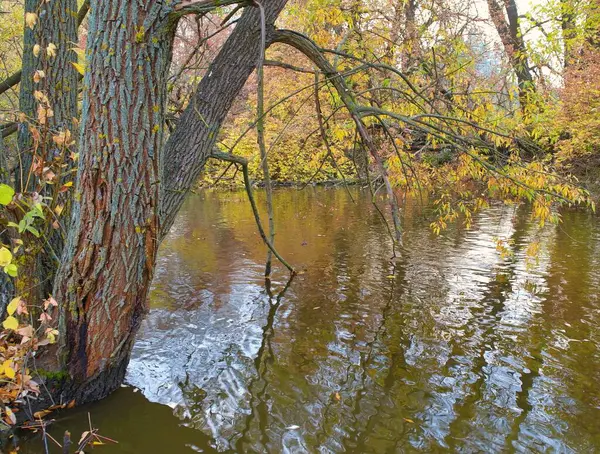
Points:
(11, 270)
(10, 323)
(6, 194)
(5, 257)
(34, 231)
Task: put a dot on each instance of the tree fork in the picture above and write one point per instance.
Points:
(120, 214)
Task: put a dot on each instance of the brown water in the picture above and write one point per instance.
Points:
(451, 347)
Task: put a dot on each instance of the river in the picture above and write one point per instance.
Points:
(453, 345)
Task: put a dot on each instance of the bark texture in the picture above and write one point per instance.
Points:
(56, 26)
(110, 253)
(126, 199)
(54, 31)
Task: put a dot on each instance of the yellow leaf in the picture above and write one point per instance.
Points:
(5, 257)
(38, 76)
(31, 20)
(10, 323)
(79, 67)
(51, 50)
(8, 370)
(13, 305)
(41, 414)
(10, 416)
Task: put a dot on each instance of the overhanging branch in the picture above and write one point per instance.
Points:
(243, 163)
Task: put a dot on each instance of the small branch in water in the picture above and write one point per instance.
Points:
(244, 165)
(260, 131)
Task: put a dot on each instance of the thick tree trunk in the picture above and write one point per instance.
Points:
(109, 257)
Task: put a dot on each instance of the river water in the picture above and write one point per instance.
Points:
(453, 346)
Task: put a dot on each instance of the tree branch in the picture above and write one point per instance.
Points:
(244, 164)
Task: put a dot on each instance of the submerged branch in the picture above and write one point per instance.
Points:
(260, 131)
(244, 164)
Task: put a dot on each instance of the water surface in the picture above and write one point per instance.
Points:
(452, 346)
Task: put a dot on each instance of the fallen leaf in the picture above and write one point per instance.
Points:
(10, 417)
(40, 414)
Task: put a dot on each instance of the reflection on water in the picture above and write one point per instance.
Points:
(451, 347)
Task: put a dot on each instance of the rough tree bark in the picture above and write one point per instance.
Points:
(57, 26)
(191, 144)
(109, 256)
(53, 34)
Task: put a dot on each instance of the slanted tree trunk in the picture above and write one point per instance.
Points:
(192, 142)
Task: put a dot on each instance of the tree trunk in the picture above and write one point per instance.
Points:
(514, 45)
(6, 282)
(191, 144)
(54, 31)
(109, 257)
(56, 25)
(569, 30)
